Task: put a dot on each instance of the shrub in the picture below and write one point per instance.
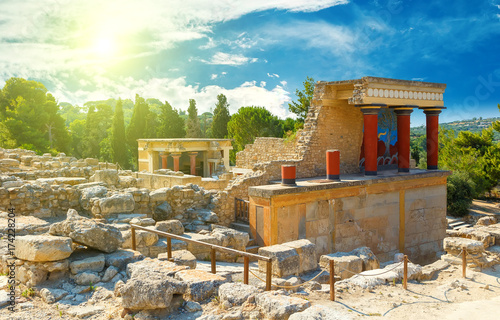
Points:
(461, 189)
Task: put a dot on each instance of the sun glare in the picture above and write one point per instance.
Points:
(104, 46)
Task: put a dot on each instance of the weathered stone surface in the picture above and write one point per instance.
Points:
(144, 222)
(43, 248)
(122, 257)
(307, 254)
(236, 293)
(181, 258)
(346, 264)
(454, 245)
(286, 261)
(200, 284)
(161, 247)
(117, 203)
(150, 291)
(142, 238)
(109, 176)
(4, 298)
(35, 273)
(88, 232)
(372, 278)
(479, 234)
(170, 226)
(83, 312)
(370, 261)
(163, 211)
(207, 215)
(230, 238)
(320, 312)
(276, 306)
(429, 270)
(200, 251)
(92, 192)
(192, 306)
(109, 273)
(486, 221)
(150, 266)
(87, 261)
(87, 278)
(52, 295)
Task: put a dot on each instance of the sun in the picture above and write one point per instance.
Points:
(104, 46)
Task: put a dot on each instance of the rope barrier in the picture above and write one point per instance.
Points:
(288, 287)
(370, 275)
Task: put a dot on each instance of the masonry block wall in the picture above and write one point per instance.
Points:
(389, 215)
(265, 149)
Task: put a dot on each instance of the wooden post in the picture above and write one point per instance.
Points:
(405, 275)
(133, 238)
(332, 280)
(246, 262)
(169, 248)
(464, 261)
(269, 274)
(212, 256)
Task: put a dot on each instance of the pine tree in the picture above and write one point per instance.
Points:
(171, 125)
(221, 117)
(193, 123)
(118, 145)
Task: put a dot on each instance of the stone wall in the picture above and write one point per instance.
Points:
(265, 149)
(157, 181)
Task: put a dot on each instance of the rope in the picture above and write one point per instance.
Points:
(370, 275)
(288, 287)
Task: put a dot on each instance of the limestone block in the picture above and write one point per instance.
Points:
(307, 254)
(276, 306)
(286, 261)
(91, 162)
(180, 257)
(477, 234)
(86, 278)
(236, 293)
(170, 226)
(122, 257)
(230, 238)
(370, 261)
(92, 264)
(159, 195)
(429, 270)
(161, 247)
(454, 245)
(86, 194)
(200, 251)
(163, 211)
(43, 248)
(110, 177)
(50, 295)
(153, 266)
(88, 232)
(117, 203)
(142, 238)
(200, 284)
(321, 312)
(109, 273)
(486, 221)
(346, 264)
(143, 222)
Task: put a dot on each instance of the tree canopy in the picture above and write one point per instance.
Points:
(171, 125)
(221, 117)
(193, 123)
(304, 97)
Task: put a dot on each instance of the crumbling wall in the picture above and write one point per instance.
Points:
(265, 149)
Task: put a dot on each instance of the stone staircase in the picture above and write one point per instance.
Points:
(456, 223)
(242, 226)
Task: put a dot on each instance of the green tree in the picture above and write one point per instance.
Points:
(171, 125)
(304, 97)
(118, 140)
(221, 117)
(193, 123)
(30, 114)
(77, 130)
(251, 122)
(96, 140)
(137, 129)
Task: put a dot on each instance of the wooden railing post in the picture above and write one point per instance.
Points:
(212, 258)
(169, 248)
(269, 274)
(405, 271)
(246, 268)
(464, 261)
(332, 280)
(133, 238)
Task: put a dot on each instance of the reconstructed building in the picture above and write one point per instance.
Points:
(193, 156)
(379, 201)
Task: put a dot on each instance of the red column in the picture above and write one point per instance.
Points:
(192, 156)
(370, 117)
(288, 174)
(333, 164)
(164, 161)
(176, 157)
(404, 138)
(432, 130)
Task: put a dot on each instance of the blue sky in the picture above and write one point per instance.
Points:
(255, 52)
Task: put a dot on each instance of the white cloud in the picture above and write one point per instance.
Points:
(417, 79)
(272, 75)
(263, 84)
(283, 83)
(230, 59)
(213, 76)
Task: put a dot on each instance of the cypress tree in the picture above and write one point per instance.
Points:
(221, 117)
(193, 123)
(118, 145)
(171, 124)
